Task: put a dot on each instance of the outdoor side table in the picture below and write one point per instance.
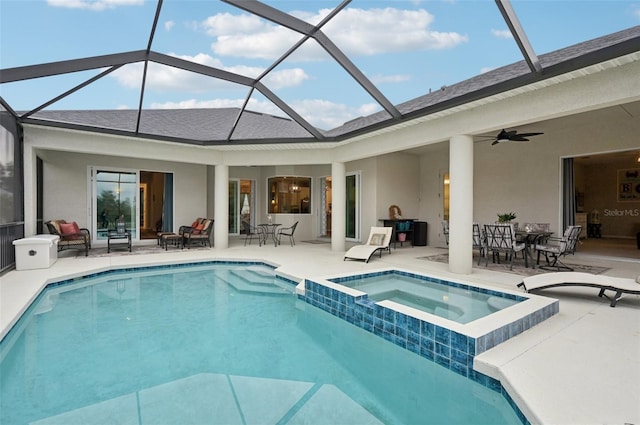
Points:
(114, 235)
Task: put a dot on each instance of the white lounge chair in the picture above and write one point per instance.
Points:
(605, 283)
(379, 239)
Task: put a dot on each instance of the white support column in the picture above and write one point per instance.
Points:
(221, 207)
(461, 204)
(30, 190)
(338, 206)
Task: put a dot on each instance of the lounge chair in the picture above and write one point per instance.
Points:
(379, 239)
(605, 283)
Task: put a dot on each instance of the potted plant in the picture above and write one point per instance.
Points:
(506, 217)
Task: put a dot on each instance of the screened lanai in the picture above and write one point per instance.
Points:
(289, 85)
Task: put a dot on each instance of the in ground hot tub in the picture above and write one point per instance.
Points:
(416, 312)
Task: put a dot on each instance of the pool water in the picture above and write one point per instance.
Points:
(226, 344)
(462, 304)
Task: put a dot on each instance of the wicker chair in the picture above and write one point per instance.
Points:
(71, 236)
(199, 234)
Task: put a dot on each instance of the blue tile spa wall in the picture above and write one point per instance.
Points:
(446, 347)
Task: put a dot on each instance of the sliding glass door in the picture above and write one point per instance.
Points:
(115, 196)
(144, 199)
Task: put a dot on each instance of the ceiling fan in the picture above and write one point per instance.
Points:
(511, 136)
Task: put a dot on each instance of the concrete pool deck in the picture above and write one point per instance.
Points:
(580, 366)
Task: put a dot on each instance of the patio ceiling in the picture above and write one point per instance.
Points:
(240, 124)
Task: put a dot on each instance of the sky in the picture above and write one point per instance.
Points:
(406, 48)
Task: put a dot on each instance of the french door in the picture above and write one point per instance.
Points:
(242, 201)
(352, 228)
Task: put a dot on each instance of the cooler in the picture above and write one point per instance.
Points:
(36, 252)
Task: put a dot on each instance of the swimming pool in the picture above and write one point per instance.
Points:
(216, 343)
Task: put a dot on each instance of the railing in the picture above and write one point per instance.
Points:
(8, 233)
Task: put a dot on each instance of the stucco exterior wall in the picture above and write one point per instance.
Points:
(66, 185)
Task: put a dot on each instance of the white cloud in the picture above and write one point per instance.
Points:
(169, 25)
(397, 78)
(501, 33)
(96, 5)
(264, 106)
(327, 115)
(320, 113)
(195, 103)
(636, 12)
(486, 69)
(169, 79)
(355, 31)
(374, 31)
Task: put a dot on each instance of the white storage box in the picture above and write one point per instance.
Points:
(36, 252)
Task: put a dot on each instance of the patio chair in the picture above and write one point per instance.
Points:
(559, 247)
(501, 238)
(198, 234)
(71, 236)
(479, 241)
(379, 240)
(605, 283)
(445, 231)
(287, 231)
(252, 231)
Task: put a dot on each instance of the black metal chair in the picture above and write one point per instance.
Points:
(251, 231)
(287, 231)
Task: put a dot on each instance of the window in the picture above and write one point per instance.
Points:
(289, 195)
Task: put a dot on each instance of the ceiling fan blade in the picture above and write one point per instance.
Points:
(495, 142)
(519, 139)
(529, 134)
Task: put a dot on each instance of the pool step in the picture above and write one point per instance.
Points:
(257, 280)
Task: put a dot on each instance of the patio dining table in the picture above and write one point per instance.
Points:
(270, 229)
(530, 238)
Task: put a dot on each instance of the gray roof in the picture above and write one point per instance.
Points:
(216, 126)
(197, 126)
(501, 79)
